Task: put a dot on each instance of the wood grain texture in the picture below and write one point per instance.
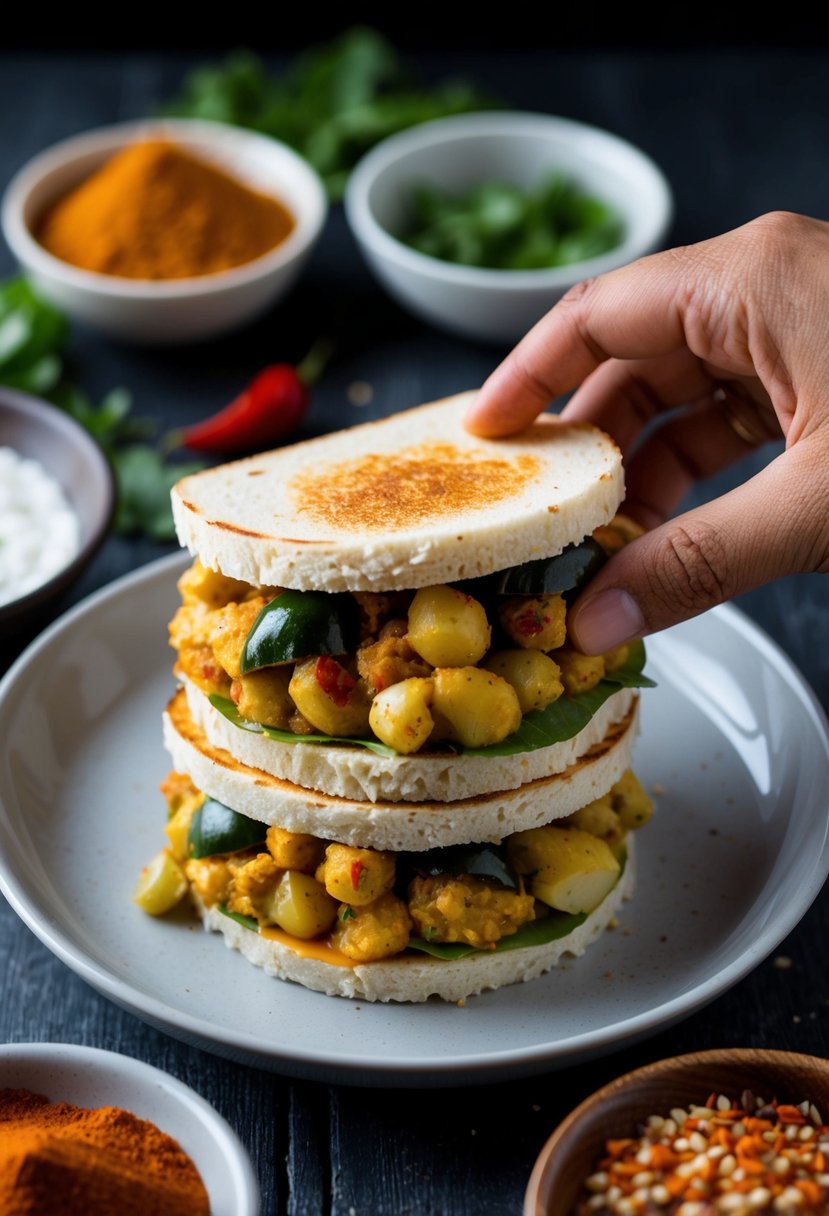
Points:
(737, 134)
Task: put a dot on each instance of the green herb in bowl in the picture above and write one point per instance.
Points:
(499, 226)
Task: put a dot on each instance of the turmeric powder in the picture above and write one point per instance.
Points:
(155, 212)
(55, 1157)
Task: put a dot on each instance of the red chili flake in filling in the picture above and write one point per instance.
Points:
(529, 623)
(334, 680)
(357, 868)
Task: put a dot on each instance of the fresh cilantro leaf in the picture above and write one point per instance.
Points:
(144, 484)
(332, 104)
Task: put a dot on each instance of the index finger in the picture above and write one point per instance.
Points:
(635, 312)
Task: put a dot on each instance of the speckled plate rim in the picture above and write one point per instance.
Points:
(90, 1076)
(482, 1067)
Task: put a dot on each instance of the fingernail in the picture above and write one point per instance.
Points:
(606, 620)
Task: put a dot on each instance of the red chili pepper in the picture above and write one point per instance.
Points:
(334, 680)
(357, 868)
(269, 409)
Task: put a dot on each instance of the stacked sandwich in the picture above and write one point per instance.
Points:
(393, 776)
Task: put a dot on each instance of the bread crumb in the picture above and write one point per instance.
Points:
(782, 962)
(462, 1003)
(658, 790)
(359, 393)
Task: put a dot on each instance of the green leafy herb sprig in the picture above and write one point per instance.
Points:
(499, 226)
(32, 340)
(332, 104)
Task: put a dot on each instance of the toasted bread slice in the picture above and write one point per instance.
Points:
(414, 977)
(409, 501)
(345, 771)
(398, 826)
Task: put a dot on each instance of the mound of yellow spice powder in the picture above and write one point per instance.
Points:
(155, 212)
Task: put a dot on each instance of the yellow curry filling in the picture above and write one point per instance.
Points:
(431, 666)
(368, 904)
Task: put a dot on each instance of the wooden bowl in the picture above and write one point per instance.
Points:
(571, 1153)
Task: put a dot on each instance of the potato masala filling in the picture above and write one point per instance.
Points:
(458, 664)
(370, 905)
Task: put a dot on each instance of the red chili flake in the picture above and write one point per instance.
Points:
(357, 868)
(529, 623)
(334, 680)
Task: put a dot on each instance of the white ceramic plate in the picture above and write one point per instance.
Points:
(86, 1076)
(734, 857)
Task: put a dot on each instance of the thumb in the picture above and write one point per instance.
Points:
(772, 525)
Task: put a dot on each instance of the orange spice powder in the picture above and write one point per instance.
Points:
(155, 212)
(55, 1157)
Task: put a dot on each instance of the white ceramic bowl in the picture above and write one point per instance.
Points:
(87, 1076)
(458, 153)
(178, 310)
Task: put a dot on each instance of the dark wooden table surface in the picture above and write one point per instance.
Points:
(737, 134)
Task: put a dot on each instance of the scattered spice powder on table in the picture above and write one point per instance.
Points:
(740, 1159)
(155, 212)
(55, 1157)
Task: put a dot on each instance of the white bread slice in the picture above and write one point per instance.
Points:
(359, 774)
(409, 501)
(416, 977)
(394, 825)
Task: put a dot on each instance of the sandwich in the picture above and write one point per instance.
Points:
(394, 776)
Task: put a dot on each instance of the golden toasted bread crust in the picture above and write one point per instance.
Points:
(408, 501)
(398, 826)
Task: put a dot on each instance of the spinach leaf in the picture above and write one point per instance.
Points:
(540, 728)
(247, 921)
(228, 710)
(535, 933)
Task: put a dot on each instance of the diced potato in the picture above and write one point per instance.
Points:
(295, 850)
(400, 716)
(230, 630)
(533, 675)
(633, 804)
(161, 886)
(616, 658)
(329, 698)
(579, 672)
(567, 869)
(534, 622)
(263, 696)
(210, 587)
(462, 908)
(178, 826)
(480, 707)
(356, 876)
(448, 628)
(301, 906)
(374, 931)
(598, 818)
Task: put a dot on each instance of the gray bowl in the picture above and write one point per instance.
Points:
(44, 433)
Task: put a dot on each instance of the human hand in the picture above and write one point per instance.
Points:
(736, 331)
